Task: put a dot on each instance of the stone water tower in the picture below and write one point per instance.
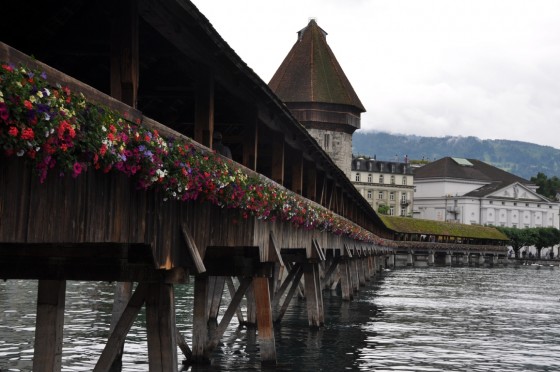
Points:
(313, 86)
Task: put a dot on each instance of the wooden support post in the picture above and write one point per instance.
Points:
(215, 293)
(200, 320)
(278, 158)
(345, 281)
(264, 319)
(297, 172)
(363, 270)
(49, 326)
(273, 255)
(125, 51)
(313, 294)
(231, 289)
(327, 282)
(204, 108)
(310, 181)
(123, 291)
(232, 307)
(298, 273)
(121, 328)
(251, 307)
(160, 321)
(182, 343)
(251, 141)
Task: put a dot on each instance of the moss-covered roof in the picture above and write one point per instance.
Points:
(429, 227)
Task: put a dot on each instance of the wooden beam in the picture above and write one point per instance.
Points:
(251, 141)
(215, 293)
(182, 343)
(310, 181)
(125, 52)
(204, 108)
(231, 289)
(121, 297)
(118, 335)
(297, 172)
(192, 250)
(277, 173)
(49, 326)
(298, 273)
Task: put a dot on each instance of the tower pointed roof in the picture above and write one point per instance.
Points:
(311, 73)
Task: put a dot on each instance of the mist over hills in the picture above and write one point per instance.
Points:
(523, 159)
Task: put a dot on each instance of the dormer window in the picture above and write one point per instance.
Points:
(381, 180)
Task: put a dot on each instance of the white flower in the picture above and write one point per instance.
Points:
(20, 153)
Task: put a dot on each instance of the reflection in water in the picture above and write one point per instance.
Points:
(441, 319)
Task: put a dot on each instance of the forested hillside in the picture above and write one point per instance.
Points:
(521, 158)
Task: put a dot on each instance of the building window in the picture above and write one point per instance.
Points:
(391, 195)
(404, 180)
(403, 198)
(392, 180)
(526, 204)
(328, 145)
(381, 179)
(369, 194)
(392, 168)
(380, 195)
(514, 203)
(403, 212)
(369, 178)
(503, 203)
(357, 177)
(491, 202)
(391, 211)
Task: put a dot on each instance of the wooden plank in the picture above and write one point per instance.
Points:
(277, 173)
(121, 297)
(160, 321)
(297, 172)
(311, 295)
(345, 281)
(330, 271)
(291, 275)
(264, 322)
(49, 326)
(216, 291)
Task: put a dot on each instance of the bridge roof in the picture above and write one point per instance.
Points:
(419, 226)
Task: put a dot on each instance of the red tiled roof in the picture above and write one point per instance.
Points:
(311, 73)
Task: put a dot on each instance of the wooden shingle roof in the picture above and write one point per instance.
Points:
(311, 73)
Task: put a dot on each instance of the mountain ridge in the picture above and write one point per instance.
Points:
(523, 159)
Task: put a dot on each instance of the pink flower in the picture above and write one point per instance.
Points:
(76, 169)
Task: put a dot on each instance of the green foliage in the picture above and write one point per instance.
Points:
(383, 209)
(540, 237)
(548, 187)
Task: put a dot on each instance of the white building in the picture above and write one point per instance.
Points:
(384, 183)
(470, 191)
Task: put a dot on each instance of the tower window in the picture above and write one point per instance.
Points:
(327, 141)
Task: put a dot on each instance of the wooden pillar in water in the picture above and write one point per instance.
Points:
(391, 260)
(124, 87)
(200, 319)
(466, 259)
(215, 294)
(410, 258)
(448, 259)
(160, 322)
(481, 259)
(47, 355)
(431, 258)
(264, 321)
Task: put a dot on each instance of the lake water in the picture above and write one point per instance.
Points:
(423, 319)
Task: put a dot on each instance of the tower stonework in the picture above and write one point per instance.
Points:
(313, 86)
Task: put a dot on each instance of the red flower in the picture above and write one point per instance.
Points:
(13, 131)
(7, 68)
(28, 105)
(27, 134)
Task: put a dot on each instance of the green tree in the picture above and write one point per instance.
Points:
(545, 237)
(383, 209)
(518, 238)
(548, 187)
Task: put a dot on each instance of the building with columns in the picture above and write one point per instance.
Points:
(315, 89)
(470, 191)
(384, 183)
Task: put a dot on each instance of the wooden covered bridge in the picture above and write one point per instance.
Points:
(106, 174)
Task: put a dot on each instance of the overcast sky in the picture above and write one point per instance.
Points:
(484, 68)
